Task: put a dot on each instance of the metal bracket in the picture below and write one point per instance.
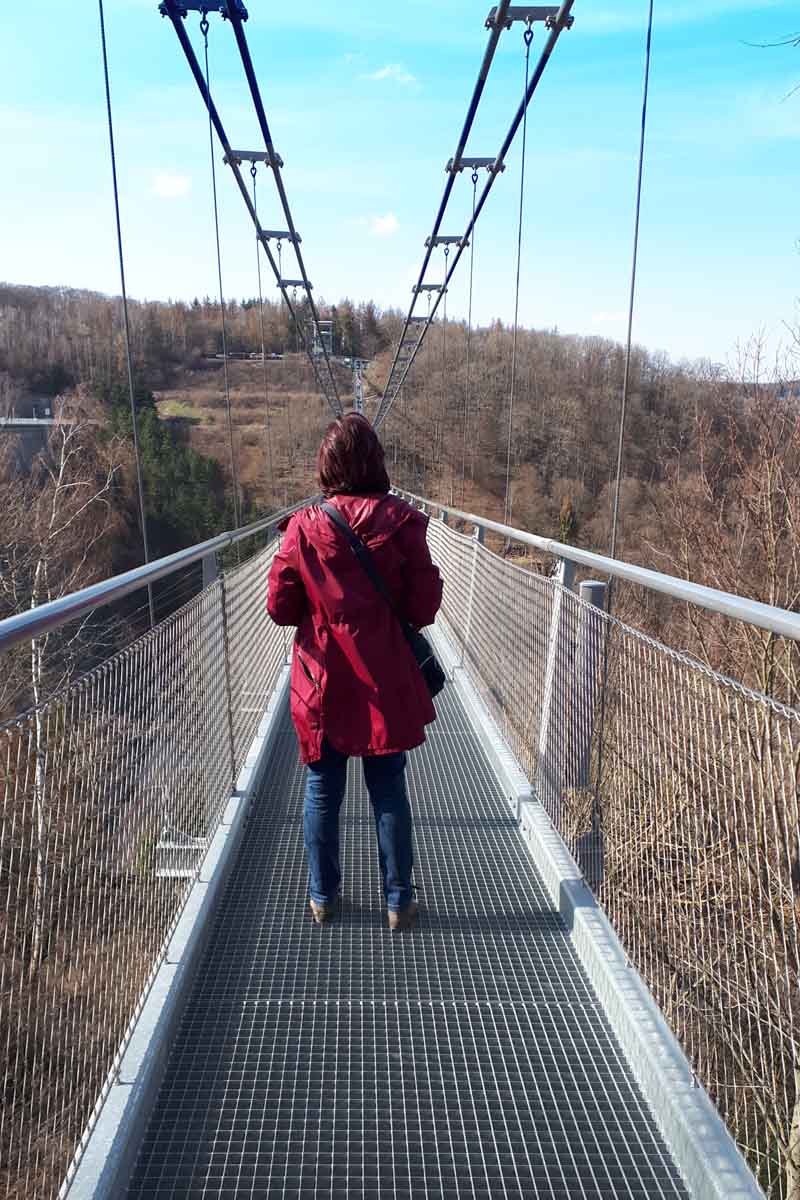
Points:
(286, 283)
(428, 287)
(237, 157)
(224, 7)
(474, 164)
(529, 14)
(416, 320)
(279, 235)
(441, 240)
(554, 23)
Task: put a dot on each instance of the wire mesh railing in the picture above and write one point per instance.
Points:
(676, 789)
(111, 791)
(257, 649)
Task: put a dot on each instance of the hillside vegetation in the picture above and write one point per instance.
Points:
(710, 484)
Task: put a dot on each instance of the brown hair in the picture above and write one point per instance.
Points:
(351, 458)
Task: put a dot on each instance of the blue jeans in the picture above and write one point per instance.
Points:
(385, 778)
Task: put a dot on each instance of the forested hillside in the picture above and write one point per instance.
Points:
(710, 479)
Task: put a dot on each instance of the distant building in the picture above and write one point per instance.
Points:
(29, 420)
(30, 407)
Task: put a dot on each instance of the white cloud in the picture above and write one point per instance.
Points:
(384, 226)
(170, 186)
(395, 71)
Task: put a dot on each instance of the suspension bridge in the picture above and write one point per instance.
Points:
(600, 998)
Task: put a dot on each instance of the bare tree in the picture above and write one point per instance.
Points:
(55, 523)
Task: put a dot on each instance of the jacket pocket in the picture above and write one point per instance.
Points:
(305, 668)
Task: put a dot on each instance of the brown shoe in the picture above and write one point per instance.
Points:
(322, 912)
(401, 918)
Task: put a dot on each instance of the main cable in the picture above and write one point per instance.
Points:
(128, 362)
(176, 14)
(204, 30)
(562, 20)
(235, 18)
(497, 27)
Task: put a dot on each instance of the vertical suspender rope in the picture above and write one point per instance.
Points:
(234, 474)
(626, 378)
(289, 438)
(469, 340)
(437, 449)
(528, 37)
(596, 814)
(403, 421)
(253, 174)
(134, 419)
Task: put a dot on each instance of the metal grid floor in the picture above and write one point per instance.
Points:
(465, 1058)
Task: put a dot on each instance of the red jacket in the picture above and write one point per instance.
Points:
(354, 679)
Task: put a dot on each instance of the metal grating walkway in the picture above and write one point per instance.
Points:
(466, 1058)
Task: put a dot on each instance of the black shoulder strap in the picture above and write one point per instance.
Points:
(364, 557)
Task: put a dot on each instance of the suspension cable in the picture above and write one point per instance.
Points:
(235, 19)
(176, 14)
(597, 831)
(128, 361)
(289, 434)
(204, 31)
(559, 21)
(496, 28)
(632, 294)
(253, 173)
(528, 38)
(469, 344)
(437, 449)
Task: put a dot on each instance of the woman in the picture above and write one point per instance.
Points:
(356, 688)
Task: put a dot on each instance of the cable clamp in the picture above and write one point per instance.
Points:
(554, 23)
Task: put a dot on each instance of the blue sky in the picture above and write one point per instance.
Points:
(365, 102)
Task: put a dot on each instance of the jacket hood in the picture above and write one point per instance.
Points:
(374, 518)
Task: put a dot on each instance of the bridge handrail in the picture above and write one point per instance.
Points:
(753, 612)
(37, 621)
(46, 617)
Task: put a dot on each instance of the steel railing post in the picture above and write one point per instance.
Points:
(589, 846)
(552, 727)
(587, 661)
(208, 653)
(223, 594)
(210, 570)
(478, 536)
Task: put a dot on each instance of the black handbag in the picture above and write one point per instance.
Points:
(421, 648)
